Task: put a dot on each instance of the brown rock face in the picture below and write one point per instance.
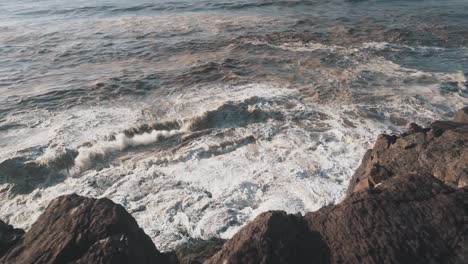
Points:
(9, 236)
(196, 252)
(406, 219)
(440, 150)
(273, 237)
(76, 229)
(462, 115)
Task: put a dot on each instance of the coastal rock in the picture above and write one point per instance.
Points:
(273, 237)
(75, 229)
(462, 115)
(406, 219)
(197, 251)
(440, 150)
(9, 236)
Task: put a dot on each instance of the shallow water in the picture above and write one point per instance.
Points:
(198, 115)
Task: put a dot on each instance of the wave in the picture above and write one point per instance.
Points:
(169, 6)
(230, 114)
(88, 155)
(24, 175)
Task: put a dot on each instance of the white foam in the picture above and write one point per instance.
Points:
(86, 155)
(68, 128)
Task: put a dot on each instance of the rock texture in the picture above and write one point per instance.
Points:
(9, 236)
(273, 237)
(196, 252)
(406, 219)
(462, 115)
(76, 229)
(440, 150)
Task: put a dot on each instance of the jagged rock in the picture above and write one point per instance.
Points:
(75, 229)
(273, 237)
(197, 251)
(406, 219)
(462, 115)
(9, 236)
(440, 150)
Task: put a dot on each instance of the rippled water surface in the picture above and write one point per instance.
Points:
(198, 115)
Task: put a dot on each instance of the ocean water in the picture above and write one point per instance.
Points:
(198, 115)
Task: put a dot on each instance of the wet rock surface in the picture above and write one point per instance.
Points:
(440, 150)
(9, 236)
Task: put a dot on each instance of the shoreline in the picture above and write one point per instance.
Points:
(406, 202)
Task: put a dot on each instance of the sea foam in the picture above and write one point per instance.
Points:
(86, 155)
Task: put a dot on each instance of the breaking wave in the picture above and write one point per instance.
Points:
(87, 155)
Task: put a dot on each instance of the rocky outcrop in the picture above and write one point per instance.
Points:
(406, 219)
(197, 251)
(273, 237)
(440, 150)
(462, 115)
(9, 236)
(75, 229)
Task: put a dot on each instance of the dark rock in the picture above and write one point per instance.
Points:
(462, 115)
(76, 229)
(9, 236)
(197, 251)
(440, 150)
(273, 237)
(398, 121)
(414, 128)
(405, 219)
